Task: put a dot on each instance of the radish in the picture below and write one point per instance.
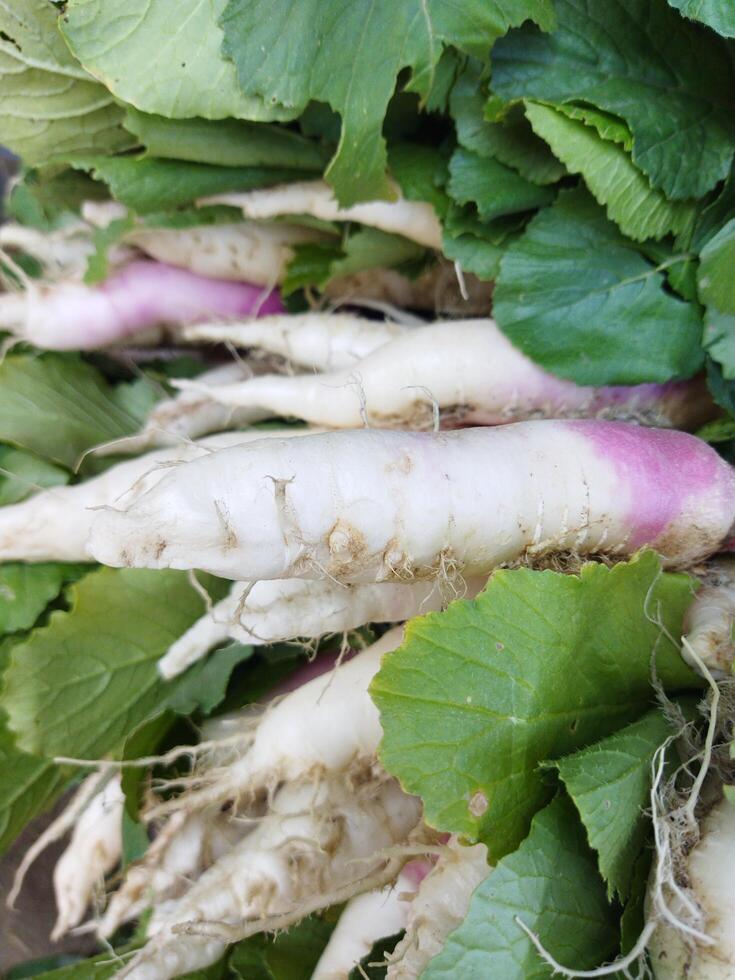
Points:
(94, 850)
(328, 724)
(469, 370)
(318, 844)
(247, 251)
(710, 876)
(143, 294)
(63, 253)
(54, 524)
(439, 907)
(323, 341)
(188, 415)
(281, 610)
(412, 219)
(367, 918)
(708, 625)
(354, 506)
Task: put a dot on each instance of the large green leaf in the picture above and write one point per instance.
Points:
(148, 184)
(348, 53)
(22, 474)
(81, 685)
(162, 57)
(639, 210)
(224, 142)
(49, 104)
(717, 290)
(26, 590)
(58, 405)
(540, 664)
(717, 14)
(670, 80)
(551, 884)
(496, 190)
(610, 783)
(27, 786)
(577, 297)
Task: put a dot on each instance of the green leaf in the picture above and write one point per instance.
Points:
(292, 955)
(642, 62)
(105, 966)
(22, 474)
(81, 685)
(147, 184)
(717, 291)
(50, 105)
(349, 53)
(719, 340)
(551, 884)
(495, 189)
(717, 14)
(105, 238)
(634, 914)
(162, 57)
(225, 142)
(28, 786)
(540, 664)
(49, 202)
(639, 210)
(578, 298)
(511, 141)
(610, 784)
(421, 172)
(57, 406)
(204, 684)
(475, 255)
(26, 590)
(311, 265)
(608, 126)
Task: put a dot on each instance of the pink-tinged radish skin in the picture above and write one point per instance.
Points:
(94, 850)
(322, 341)
(144, 294)
(710, 876)
(709, 621)
(440, 905)
(327, 724)
(468, 370)
(245, 251)
(412, 219)
(354, 506)
(366, 919)
(54, 524)
(333, 833)
(289, 609)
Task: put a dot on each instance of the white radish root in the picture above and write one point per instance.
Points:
(366, 919)
(439, 907)
(62, 254)
(316, 842)
(469, 370)
(322, 341)
(353, 505)
(412, 219)
(94, 850)
(289, 609)
(709, 622)
(329, 724)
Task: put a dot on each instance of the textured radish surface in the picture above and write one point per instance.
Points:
(469, 370)
(354, 505)
(708, 625)
(412, 219)
(289, 609)
(331, 833)
(323, 341)
(94, 850)
(440, 905)
(143, 294)
(710, 872)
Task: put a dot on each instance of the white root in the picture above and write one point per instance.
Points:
(708, 625)
(316, 842)
(353, 506)
(245, 251)
(54, 524)
(412, 219)
(710, 872)
(94, 850)
(469, 369)
(321, 341)
(63, 254)
(327, 725)
(439, 907)
(366, 919)
(289, 609)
